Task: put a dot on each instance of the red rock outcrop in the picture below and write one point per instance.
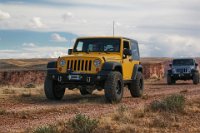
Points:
(22, 78)
(156, 70)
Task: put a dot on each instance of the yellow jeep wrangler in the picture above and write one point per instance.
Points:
(107, 63)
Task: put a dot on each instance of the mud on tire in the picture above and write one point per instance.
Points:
(137, 86)
(52, 90)
(114, 87)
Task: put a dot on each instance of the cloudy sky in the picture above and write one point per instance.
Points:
(46, 28)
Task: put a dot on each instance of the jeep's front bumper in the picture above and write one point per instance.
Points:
(75, 78)
(182, 76)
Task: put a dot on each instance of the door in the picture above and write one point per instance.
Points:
(127, 63)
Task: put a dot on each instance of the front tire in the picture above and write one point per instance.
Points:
(170, 80)
(114, 87)
(137, 86)
(52, 90)
(196, 78)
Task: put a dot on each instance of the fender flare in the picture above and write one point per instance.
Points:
(52, 64)
(111, 66)
(51, 67)
(137, 68)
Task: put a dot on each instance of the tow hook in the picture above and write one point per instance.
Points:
(88, 79)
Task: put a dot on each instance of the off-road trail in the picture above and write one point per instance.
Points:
(19, 112)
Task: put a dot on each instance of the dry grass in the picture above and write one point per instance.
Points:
(143, 119)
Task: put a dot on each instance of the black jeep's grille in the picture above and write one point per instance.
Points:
(182, 70)
(79, 65)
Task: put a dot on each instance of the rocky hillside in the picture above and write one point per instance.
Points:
(25, 71)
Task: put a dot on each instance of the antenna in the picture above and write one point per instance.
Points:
(113, 28)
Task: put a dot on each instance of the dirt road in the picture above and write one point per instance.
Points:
(19, 112)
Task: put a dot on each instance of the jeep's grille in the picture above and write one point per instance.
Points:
(79, 65)
(182, 70)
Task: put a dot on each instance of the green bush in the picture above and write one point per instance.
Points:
(83, 124)
(46, 129)
(173, 103)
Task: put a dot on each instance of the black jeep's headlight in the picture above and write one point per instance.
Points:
(62, 62)
(97, 63)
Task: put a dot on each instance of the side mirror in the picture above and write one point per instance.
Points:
(196, 64)
(70, 51)
(170, 65)
(127, 52)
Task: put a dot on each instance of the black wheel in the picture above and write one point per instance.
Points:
(52, 90)
(85, 91)
(137, 86)
(196, 78)
(170, 80)
(114, 87)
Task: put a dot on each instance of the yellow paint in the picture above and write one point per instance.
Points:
(127, 63)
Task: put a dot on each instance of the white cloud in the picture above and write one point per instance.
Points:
(37, 23)
(4, 15)
(58, 38)
(28, 45)
(169, 28)
(67, 16)
(34, 52)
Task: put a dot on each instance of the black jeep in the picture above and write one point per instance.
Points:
(183, 69)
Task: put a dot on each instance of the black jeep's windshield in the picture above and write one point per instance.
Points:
(97, 45)
(183, 62)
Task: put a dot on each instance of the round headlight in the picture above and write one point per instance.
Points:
(62, 62)
(97, 63)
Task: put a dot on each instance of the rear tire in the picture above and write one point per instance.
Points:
(196, 78)
(114, 87)
(52, 90)
(137, 86)
(85, 91)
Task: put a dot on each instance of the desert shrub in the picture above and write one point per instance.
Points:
(9, 91)
(46, 129)
(159, 122)
(30, 85)
(173, 103)
(83, 124)
(2, 111)
(123, 114)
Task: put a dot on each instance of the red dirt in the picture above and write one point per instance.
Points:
(30, 112)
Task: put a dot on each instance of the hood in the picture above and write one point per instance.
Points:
(102, 56)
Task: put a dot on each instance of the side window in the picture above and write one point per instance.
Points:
(79, 46)
(126, 45)
(135, 51)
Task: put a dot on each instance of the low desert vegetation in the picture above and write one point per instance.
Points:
(46, 129)
(2, 111)
(82, 124)
(170, 114)
(173, 103)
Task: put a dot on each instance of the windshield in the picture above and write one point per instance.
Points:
(97, 45)
(183, 62)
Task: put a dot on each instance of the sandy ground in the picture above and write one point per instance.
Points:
(20, 111)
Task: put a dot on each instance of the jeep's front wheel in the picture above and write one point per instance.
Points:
(52, 90)
(114, 87)
(85, 91)
(170, 80)
(137, 86)
(196, 78)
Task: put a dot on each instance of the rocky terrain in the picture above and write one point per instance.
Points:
(24, 108)
(32, 71)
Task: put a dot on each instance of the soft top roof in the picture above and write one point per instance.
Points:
(108, 37)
